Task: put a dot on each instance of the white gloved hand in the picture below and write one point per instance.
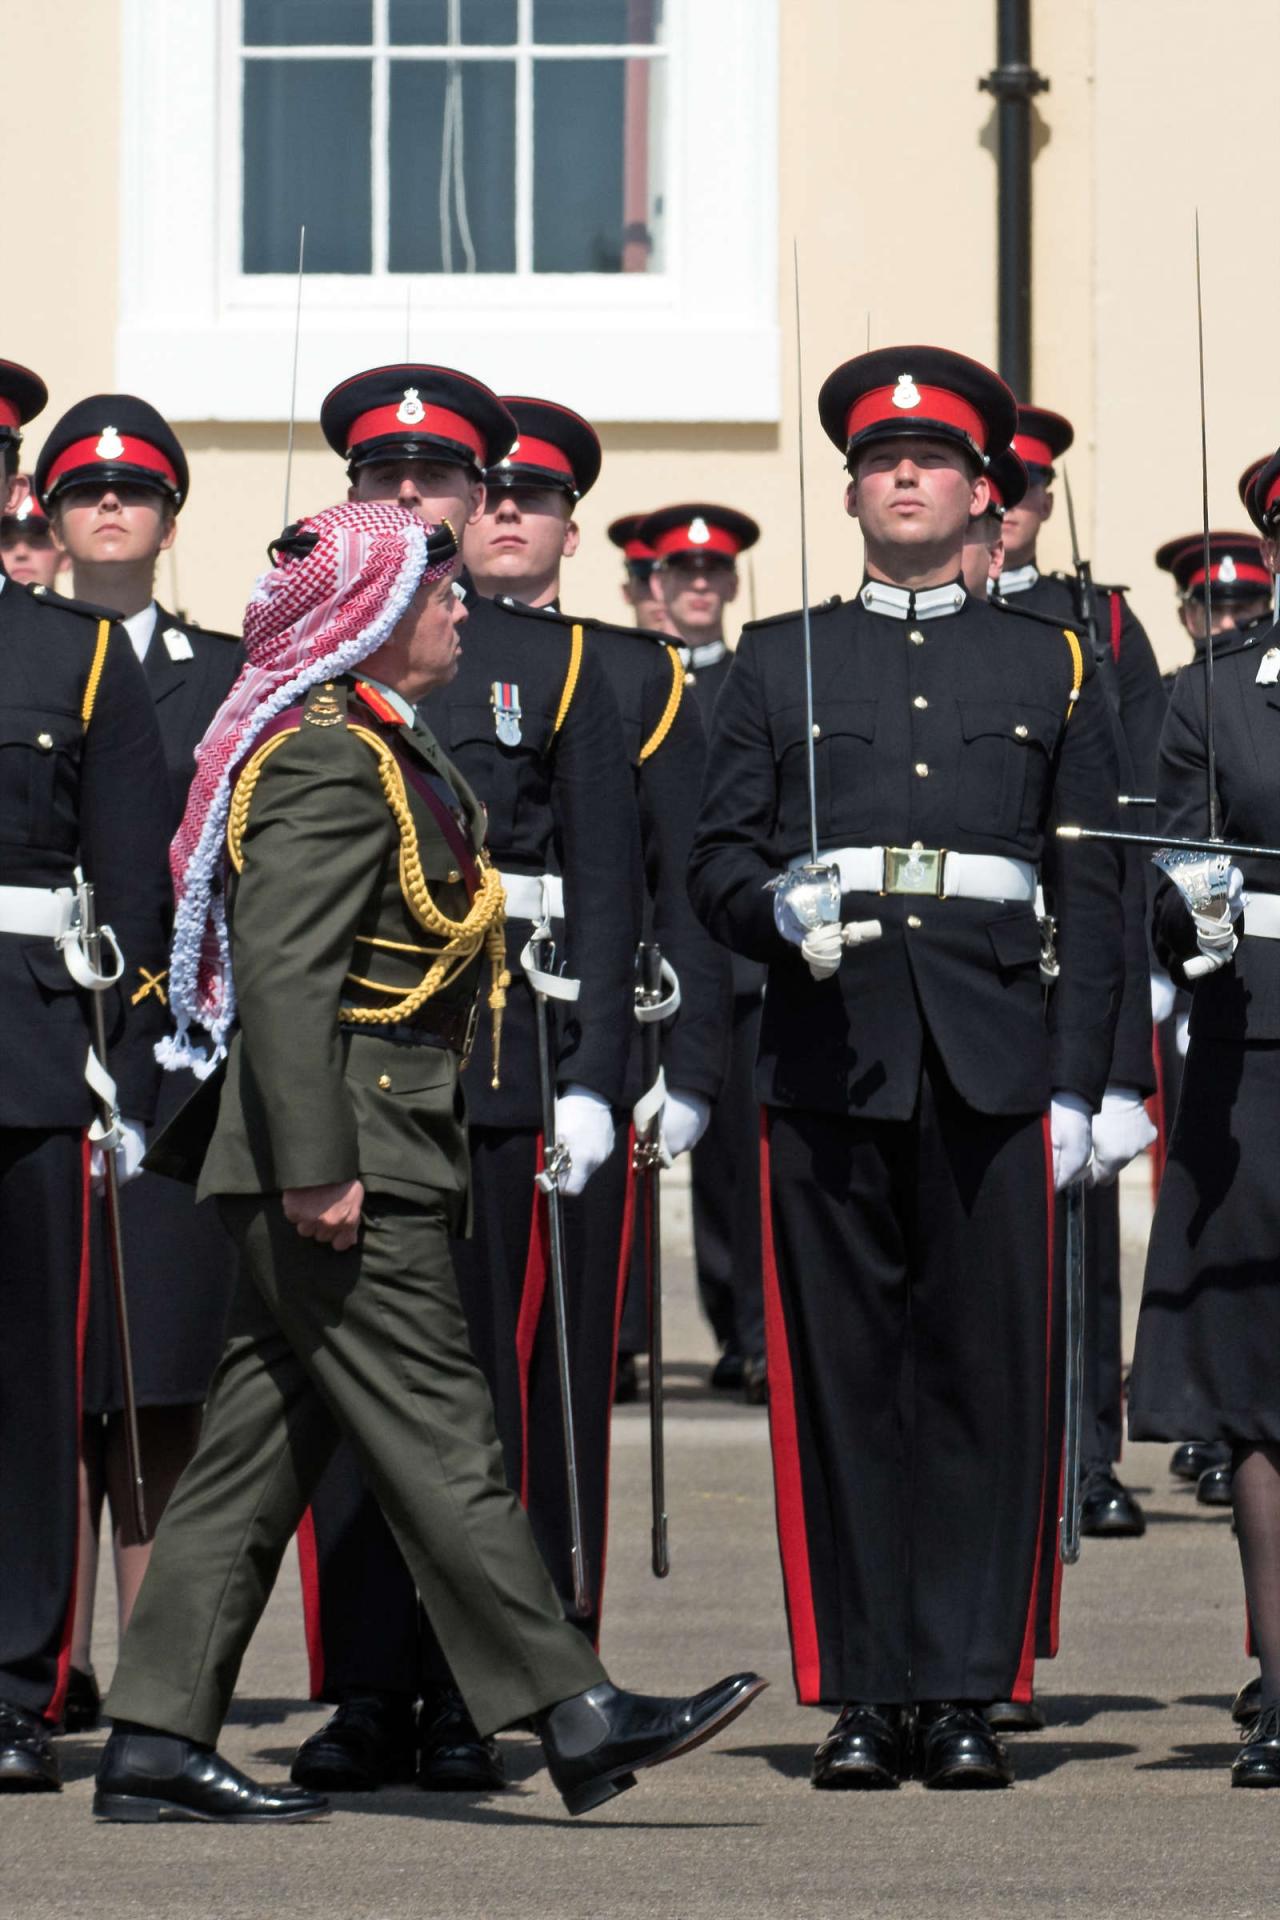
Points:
(1215, 925)
(1163, 993)
(1071, 1132)
(584, 1125)
(684, 1121)
(824, 946)
(1121, 1130)
(129, 1152)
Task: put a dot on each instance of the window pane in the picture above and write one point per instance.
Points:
(597, 23)
(453, 166)
(308, 23)
(597, 142)
(307, 129)
(425, 23)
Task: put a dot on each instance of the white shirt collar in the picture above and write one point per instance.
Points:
(705, 655)
(1018, 579)
(140, 627)
(397, 700)
(900, 603)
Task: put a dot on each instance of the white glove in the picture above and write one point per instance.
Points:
(1163, 993)
(825, 945)
(1215, 925)
(684, 1121)
(1121, 1131)
(584, 1125)
(129, 1152)
(1182, 1033)
(1071, 1133)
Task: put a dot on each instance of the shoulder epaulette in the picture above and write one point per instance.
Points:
(1241, 641)
(1099, 586)
(796, 613)
(63, 603)
(1082, 663)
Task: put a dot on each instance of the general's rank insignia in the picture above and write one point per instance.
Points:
(176, 644)
(504, 697)
(411, 410)
(1269, 668)
(110, 446)
(906, 393)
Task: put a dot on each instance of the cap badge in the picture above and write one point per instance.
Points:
(1227, 571)
(504, 698)
(906, 394)
(25, 508)
(176, 644)
(411, 410)
(1269, 668)
(699, 532)
(510, 454)
(110, 446)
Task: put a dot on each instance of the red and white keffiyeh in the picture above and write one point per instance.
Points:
(309, 619)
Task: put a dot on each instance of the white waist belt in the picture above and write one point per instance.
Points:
(37, 912)
(930, 870)
(1262, 916)
(533, 896)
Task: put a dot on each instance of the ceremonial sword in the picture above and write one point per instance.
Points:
(653, 1005)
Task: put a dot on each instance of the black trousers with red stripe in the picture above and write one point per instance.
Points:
(908, 1300)
(44, 1299)
(364, 1628)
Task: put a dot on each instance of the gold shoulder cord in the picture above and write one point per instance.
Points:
(95, 672)
(570, 680)
(1077, 670)
(671, 709)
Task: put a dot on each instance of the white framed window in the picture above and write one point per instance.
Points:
(570, 197)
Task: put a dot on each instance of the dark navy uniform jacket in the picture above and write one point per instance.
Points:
(560, 799)
(958, 732)
(187, 694)
(71, 794)
(1241, 1001)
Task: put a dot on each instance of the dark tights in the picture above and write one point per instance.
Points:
(1255, 1495)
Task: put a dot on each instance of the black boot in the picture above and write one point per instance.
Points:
(82, 1708)
(1213, 1488)
(957, 1749)
(452, 1756)
(1107, 1509)
(148, 1775)
(369, 1742)
(1195, 1457)
(755, 1380)
(868, 1748)
(1258, 1762)
(28, 1763)
(596, 1742)
(1247, 1704)
(1014, 1716)
(727, 1373)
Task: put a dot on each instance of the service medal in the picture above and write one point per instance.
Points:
(504, 697)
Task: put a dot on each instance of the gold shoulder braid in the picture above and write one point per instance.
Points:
(570, 686)
(1077, 670)
(98, 662)
(671, 709)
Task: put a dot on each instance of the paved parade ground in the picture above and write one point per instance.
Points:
(1122, 1806)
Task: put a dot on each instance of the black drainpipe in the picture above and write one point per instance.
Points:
(1014, 83)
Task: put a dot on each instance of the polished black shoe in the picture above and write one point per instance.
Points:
(1195, 1457)
(727, 1373)
(146, 1775)
(1258, 1762)
(1107, 1509)
(868, 1749)
(1247, 1704)
(369, 1742)
(28, 1763)
(82, 1708)
(452, 1756)
(755, 1381)
(1213, 1488)
(626, 1381)
(957, 1749)
(1014, 1716)
(596, 1742)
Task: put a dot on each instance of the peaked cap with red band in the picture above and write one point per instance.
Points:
(1260, 491)
(928, 391)
(412, 412)
(1041, 438)
(1235, 565)
(625, 533)
(1009, 479)
(110, 437)
(554, 447)
(23, 395)
(697, 529)
(28, 512)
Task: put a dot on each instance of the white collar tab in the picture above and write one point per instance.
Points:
(705, 655)
(901, 603)
(1018, 579)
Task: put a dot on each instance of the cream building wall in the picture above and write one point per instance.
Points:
(887, 182)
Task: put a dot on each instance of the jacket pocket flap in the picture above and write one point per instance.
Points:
(48, 966)
(855, 717)
(1015, 939)
(1018, 721)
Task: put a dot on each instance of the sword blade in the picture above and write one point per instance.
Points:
(1115, 836)
(1210, 754)
(649, 1173)
(293, 387)
(810, 763)
(1073, 1407)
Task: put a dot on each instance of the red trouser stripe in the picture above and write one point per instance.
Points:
(793, 1538)
(531, 1296)
(53, 1712)
(309, 1574)
(1022, 1686)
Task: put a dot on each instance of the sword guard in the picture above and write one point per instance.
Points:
(555, 1169)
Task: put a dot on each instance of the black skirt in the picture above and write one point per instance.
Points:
(1207, 1358)
(179, 1265)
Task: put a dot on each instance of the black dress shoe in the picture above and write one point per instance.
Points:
(957, 1749)
(1195, 1457)
(1108, 1510)
(626, 1381)
(869, 1748)
(28, 1763)
(1258, 1762)
(82, 1708)
(146, 1775)
(727, 1373)
(596, 1742)
(1213, 1488)
(1247, 1704)
(452, 1756)
(368, 1743)
(1014, 1716)
(755, 1380)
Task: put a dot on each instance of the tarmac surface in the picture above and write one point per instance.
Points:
(1122, 1806)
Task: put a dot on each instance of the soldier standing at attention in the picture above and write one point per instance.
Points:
(113, 478)
(82, 789)
(637, 583)
(28, 555)
(921, 1108)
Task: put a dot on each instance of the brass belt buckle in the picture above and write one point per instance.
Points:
(914, 869)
